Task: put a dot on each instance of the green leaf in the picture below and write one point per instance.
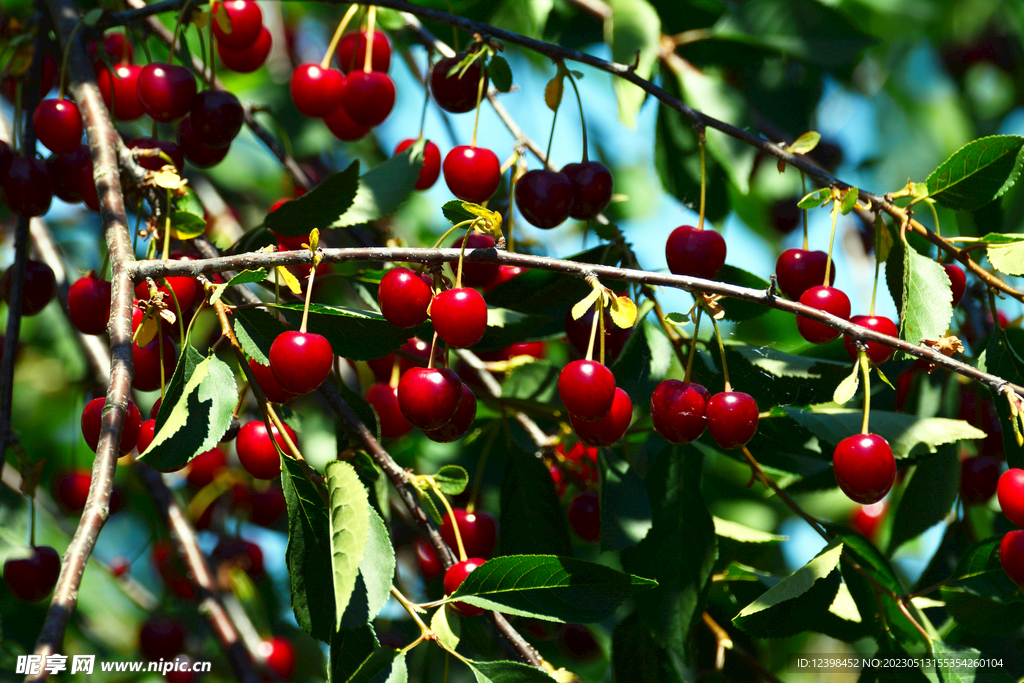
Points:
(308, 554)
(805, 380)
(927, 498)
(632, 27)
(382, 190)
(447, 626)
(1006, 362)
(246, 276)
(954, 662)
(625, 508)
(321, 207)
(186, 226)
(507, 672)
(350, 650)
(644, 361)
(500, 74)
(354, 334)
(922, 292)
(744, 534)
(532, 521)
(256, 330)
(815, 199)
(1007, 257)
(455, 212)
(977, 173)
(735, 309)
(849, 201)
(349, 524)
(452, 479)
(549, 587)
(385, 665)
(637, 658)
(377, 568)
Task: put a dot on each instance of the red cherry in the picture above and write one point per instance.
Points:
(89, 304)
(429, 397)
(71, 489)
(403, 297)
(352, 52)
(829, 300)
(865, 467)
(166, 91)
(32, 578)
(866, 518)
(592, 185)
(115, 47)
(40, 284)
(272, 389)
(797, 271)
(1011, 556)
(545, 198)
(195, 151)
(267, 506)
(247, 59)
(384, 400)
(146, 362)
(368, 97)
(26, 187)
(244, 23)
(505, 273)
(585, 516)
(92, 417)
(979, 478)
(1010, 491)
(216, 115)
(205, 467)
(578, 332)
(454, 577)
(456, 93)
(693, 252)
(732, 418)
(301, 361)
(65, 172)
(315, 91)
(459, 316)
(257, 453)
(678, 410)
(430, 564)
(237, 552)
(120, 89)
(587, 389)
(184, 290)
(477, 274)
(279, 656)
(431, 168)
(457, 427)
(147, 432)
(878, 353)
(479, 531)
(343, 126)
(161, 638)
(611, 427)
(532, 349)
(155, 163)
(472, 173)
(957, 281)
(58, 124)
(87, 186)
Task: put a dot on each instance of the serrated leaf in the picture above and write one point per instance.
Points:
(385, 665)
(1007, 257)
(623, 312)
(805, 143)
(245, 277)
(382, 190)
(847, 389)
(735, 309)
(321, 207)
(581, 307)
(500, 73)
(813, 200)
(308, 554)
(743, 533)
(633, 30)
(977, 173)
(377, 567)
(507, 672)
(349, 525)
(553, 91)
(927, 306)
(447, 627)
(849, 201)
(451, 479)
(455, 212)
(532, 520)
(350, 649)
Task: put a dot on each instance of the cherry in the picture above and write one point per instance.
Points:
(878, 353)
(87, 186)
(611, 427)
(557, 479)
(315, 91)
(587, 389)
(866, 518)
(166, 91)
(247, 59)
(419, 351)
(957, 282)
(455, 428)
(678, 410)
(865, 467)
(120, 89)
(26, 187)
(155, 163)
(368, 97)
(71, 489)
(592, 187)
(582, 460)
(195, 151)
(237, 552)
(267, 506)
(272, 389)
(979, 478)
(578, 332)
(301, 361)
(505, 273)
(147, 432)
(352, 52)
(40, 285)
(430, 564)
(537, 349)
(119, 566)
(429, 397)
(1010, 491)
(478, 529)
(65, 172)
(205, 467)
(477, 274)
(459, 316)
(257, 453)
(732, 418)
(829, 300)
(244, 23)
(384, 399)
(343, 127)
(216, 115)
(456, 93)
(161, 638)
(146, 361)
(58, 124)
(115, 47)
(92, 417)
(797, 271)
(403, 297)
(585, 516)
(472, 173)
(32, 578)
(279, 656)
(545, 198)
(454, 577)
(1011, 556)
(89, 304)
(693, 252)
(431, 168)
(184, 290)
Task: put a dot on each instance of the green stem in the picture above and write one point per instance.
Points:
(831, 240)
(803, 193)
(371, 18)
(450, 230)
(599, 312)
(583, 121)
(167, 228)
(462, 254)
(479, 99)
(336, 38)
(309, 296)
(593, 330)
(862, 358)
(62, 78)
(32, 521)
(703, 179)
(693, 346)
(721, 350)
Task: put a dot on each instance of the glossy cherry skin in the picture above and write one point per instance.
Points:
(89, 304)
(431, 169)
(40, 285)
(146, 362)
(368, 97)
(32, 578)
(865, 467)
(272, 389)
(829, 300)
(797, 270)
(866, 518)
(505, 273)
(454, 93)
(72, 489)
(65, 172)
(545, 198)
(585, 516)
(537, 350)
(457, 427)
(472, 173)
(216, 117)
(1010, 491)
(479, 531)
(384, 400)
(301, 361)
(195, 151)
(26, 187)
(161, 638)
(315, 91)
(578, 332)
(205, 467)
(957, 280)
(247, 59)
(477, 274)
(120, 89)
(58, 125)
(115, 47)
(454, 577)
(279, 656)
(244, 19)
(1011, 556)
(679, 410)
(611, 427)
(732, 418)
(147, 432)
(419, 351)
(166, 91)
(592, 186)
(587, 389)
(256, 452)
(403, 297)
(430, 564)
(91, 421)
(878, 353)
(155, 163)
(352, 52)
(429, 397)
(459, 316)
(693, 252)
(343, 126)
(979, 478)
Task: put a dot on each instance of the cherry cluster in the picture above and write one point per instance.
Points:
(1010, 492)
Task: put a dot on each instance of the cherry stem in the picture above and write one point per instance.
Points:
(160, 345)
(693, 346)
(701, 141)
(212, 62)
(309, 296)
(831, 241)
(174, 36)
(583, 121)
(433, 348)
(426, 97)
(450, 230)
(62, 78)
(721, 350)
(593, 330)
(935, 215)
(336, 38)
(462, 254)
(410, 607)
(371, 19)
(478, 476)
(551, 137)
(451, 516)
(479, 99)
(862, 358)
(599, 310)
(32, 520)
(803, 193)
(874, 288)
(167, 228)
(396, 373)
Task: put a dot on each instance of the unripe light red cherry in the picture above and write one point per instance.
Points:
(585, 516)
(865, 467)
(205, 467)
(957, 281)
(166, 91)
(866, 518)
(431, 168)
(678, 410)
(878, 353)
(693, 252)
(92, 417)
(343, 126)
(272, 389)
(587, 389)
(315, 91)
(403, 297)
(456, 93)
(1010, 492)
(279, 655)
(71, 489)
(244, 23)
(829, 300)
(592, 185)
(611, 427)
(732, 418)
(40, 285)
(368, 97)
(384, 400)
(256, 451)
(457, 427)
(120, 89)
(146, 361)
(479, 531)
(26, 187)
(472, 173)
(89, 304)
(429, 397)
(798, 270)
(352, 52)
(454, 577)
(32, 578)
(1011, 556)
(545, 198)
(301, 361)
(247, 59)
(477, 274)
(979, 478)
(58, 124)
(459, 316)
(216, 116)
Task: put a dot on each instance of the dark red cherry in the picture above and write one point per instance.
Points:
(147, 432)
(343, 126)
(256, 451)
(867, 518)
(878, 353)
(91, 421)
(115, 47)
(585, 516)
(403, 297)
(431, 168)
(865, 467)
(829, 300)
(457, 427)
(587, 389)
(957, 281)
(155, 163)
(267, 506)
(505, 273)
(611, 427)
(120, 89)
(216, 115)
(58, 125)
(979, 478)
(454, 577)
(368, 97)
(545, 198)
(166, 91)
(459, 316)
(247, 59)
(352, 52)
(430, 564)
(472, 173)
(205, 467)
(732, 418)
(71, 489)
(415, 353)
(87, 186)
(1011, 556)
(1010, 491)
(693, 252)
(40, 285)
(679, 410)
(236, 23)
(65, 172)
(478, 529)
(429, 397)
(384, 400)
(592, 188)
(32, 578)
(147, 363)
(279, 656)
(301, 361)
(456, 93)
(161, 638)
(89, 304)
(578, 332)
(195, 151)
(797, 271)
(272, 389)
(26, 187)
(477, 274)
(315, 91)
